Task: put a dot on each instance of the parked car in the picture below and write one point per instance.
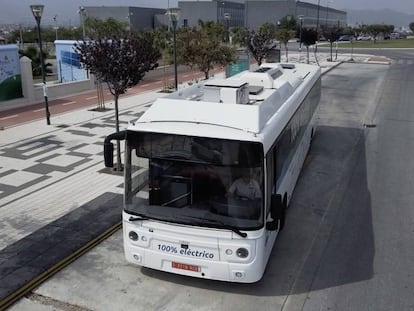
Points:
(345, 38)
(403, 35)
(364, 38)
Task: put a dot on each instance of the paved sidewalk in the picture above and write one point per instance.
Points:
(53, 176)
(55, 194)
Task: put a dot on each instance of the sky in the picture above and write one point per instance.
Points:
(403, 6)
(18, 11)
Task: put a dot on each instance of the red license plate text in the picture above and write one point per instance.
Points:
(183, 266)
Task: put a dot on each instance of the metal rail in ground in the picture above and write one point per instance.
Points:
(18, 294)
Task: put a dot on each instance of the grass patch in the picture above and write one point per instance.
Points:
(390, 44)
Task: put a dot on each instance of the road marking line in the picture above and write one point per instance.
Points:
(37, 110)
(144, 85)
(69, 103)
(9, 117)
(186, 76)
(89, 98)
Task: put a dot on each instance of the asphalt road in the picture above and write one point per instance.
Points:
(395, 54)
(347, 243)
(362, 259)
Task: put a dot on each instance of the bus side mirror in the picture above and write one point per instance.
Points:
(109, 147)
(109, 154)
(275, 212)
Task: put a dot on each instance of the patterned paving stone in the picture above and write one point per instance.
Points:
(19, 178)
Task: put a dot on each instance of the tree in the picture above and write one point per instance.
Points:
(202, 47)
(412, 26)
(375, 29)
(359, 30)
(48, 34)
(332, 35)
(96, 28)
(286, 30)
(284, 35)
(388, 29)
(309, 37)
(262, 42)
(121, 63)
(239, 35)
(215, 31)
(288, 22)
(164, 43)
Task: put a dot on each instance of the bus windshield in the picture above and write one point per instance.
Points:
(196, 181)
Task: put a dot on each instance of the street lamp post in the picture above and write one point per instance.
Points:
(21, 36)
(37, 11)
(301, 17)
(327, 13)
(227, 17)
(82, 18)
(56, 26)
(174, 14)
(317, 17)
(317, 27)
(129, 21)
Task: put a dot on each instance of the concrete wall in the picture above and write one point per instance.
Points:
(10, 76)
(33, 93)
(67, 62)
(58, 90)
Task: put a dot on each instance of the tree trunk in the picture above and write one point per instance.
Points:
(118, 144)
(206, 75)
(307, 53)
(331, 52)
(101, 98)
(287, 55)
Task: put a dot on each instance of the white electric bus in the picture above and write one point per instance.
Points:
(183, 154)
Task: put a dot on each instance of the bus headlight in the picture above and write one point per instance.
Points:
(229, 252)
(133, 235)
(242, 252)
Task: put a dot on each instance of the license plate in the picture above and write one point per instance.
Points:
(183, 266)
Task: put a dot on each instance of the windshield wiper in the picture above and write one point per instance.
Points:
(235, 230)
(132, 218)
(216, 221)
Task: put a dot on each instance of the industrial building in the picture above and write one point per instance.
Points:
(248, 13)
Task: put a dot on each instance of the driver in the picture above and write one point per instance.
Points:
(245, 187)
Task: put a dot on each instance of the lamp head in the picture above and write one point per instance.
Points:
(37, 10)
(173, 14)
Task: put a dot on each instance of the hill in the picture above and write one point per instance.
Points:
(385, 16)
